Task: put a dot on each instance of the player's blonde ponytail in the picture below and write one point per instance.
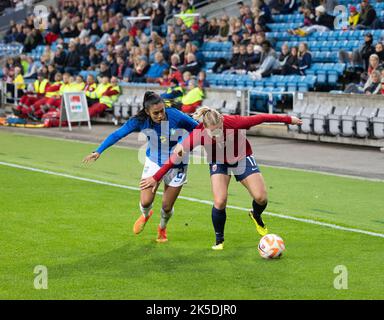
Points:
(208, 116)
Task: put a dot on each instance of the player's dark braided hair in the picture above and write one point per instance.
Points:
(150, 98)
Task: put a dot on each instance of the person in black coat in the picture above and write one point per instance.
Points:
(72, 61)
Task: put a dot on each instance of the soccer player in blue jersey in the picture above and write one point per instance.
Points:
(164, 127)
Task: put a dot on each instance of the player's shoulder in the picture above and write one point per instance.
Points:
(136, 123)
(174, 112)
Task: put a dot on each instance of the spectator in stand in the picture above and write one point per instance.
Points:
(354, 17)
(72, 61)
(107, 95)
(213, 29)
(193, 98)
(158, 16)
(283, 57)
(16, 87)
(291, 65)
(288, 8)
(252, 58)
(223, 64)
(32, 68)
(268, 60)
(372, 85)
(374, 63)
(265, 11)
(157, 68)
(241, 62)
(192, 65)
(104, 71)
(94, 59)
(202, 81)
(305, 58)
(30, 97)
(186, 77)
(203, 25)
(195, 35)
(379, 50)
(359, 57)
(51, 72)
(323, 22)
(223, 33)
(140, 70)
(174, 94)
(368, 17)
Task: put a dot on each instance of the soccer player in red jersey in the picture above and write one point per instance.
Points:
(229, 152)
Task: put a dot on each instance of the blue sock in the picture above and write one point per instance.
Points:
(218, 220)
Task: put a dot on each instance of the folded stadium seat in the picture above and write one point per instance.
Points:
(320, 119)
(231, 107)
(299, 107)
(334, 120)
(348, 125)
(117, 107)
(135, 105)
(378, 125)
(307, 118)
(363, 122)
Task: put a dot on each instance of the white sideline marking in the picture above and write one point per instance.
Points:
(309, 221)
(326, 173)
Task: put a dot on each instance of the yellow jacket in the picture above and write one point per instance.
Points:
(193, 96)
(354, 20)
(40, 86)
(77, 87)
(110, 99)
(100, 89)
(19, 82)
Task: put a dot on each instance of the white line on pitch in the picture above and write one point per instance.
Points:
(309, 221)
(326, 173)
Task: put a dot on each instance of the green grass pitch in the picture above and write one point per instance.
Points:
(82, 232)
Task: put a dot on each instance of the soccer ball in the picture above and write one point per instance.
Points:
(271, 246)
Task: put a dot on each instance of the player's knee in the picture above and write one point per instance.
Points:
(261, 199)
(146, 204)
(166, 207)
(220, 203)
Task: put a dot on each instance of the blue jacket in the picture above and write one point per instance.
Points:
(156, 70)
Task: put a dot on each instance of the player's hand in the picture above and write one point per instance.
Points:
(148, 183)
(179, 150)
(91, 157)
(296, 121)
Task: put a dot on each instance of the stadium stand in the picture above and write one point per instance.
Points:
(114, 38)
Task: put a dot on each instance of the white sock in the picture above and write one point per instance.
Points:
(145, 211)
(165, 216)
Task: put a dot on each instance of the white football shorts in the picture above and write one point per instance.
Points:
(175, 177)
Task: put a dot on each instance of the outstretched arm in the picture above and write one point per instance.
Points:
(246, 122)
(130, 126)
